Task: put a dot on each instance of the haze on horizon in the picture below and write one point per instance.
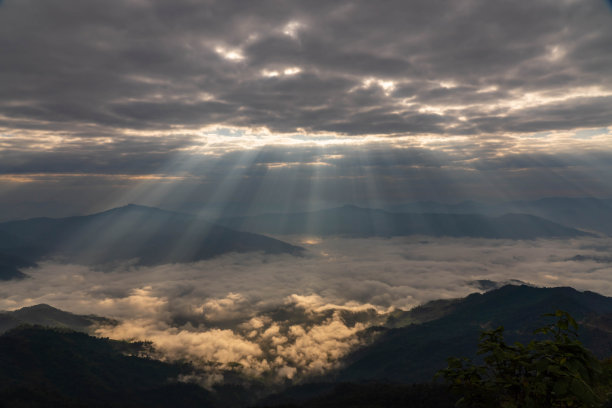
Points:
(296, 105)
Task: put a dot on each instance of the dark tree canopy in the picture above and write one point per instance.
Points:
(555, 370)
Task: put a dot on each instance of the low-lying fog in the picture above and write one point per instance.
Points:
(286, 317)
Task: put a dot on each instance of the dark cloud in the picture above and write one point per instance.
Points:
(147, 64)
(194, 91)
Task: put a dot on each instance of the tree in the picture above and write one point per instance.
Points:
(557, 371)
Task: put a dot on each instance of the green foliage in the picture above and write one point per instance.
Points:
(557, 371)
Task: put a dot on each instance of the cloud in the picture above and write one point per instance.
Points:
(260, 346)
(120, 99)
(161, 64)
(201, 347)
(183, 173)
(281, 318)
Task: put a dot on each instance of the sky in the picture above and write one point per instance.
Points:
(295, 105)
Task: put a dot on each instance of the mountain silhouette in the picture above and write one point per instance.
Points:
(145, 235)
(588, 213)
(59, 368)
(398, 368)
(447, 328)
(354, 221)
(48, 316)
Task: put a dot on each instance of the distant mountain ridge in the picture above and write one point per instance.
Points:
(48, 316)
(355, 221)
(146, 235)
(579, 212)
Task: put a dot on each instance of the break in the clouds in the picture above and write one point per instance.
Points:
(99, 95)
(285, 318)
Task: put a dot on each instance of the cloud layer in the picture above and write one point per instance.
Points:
(285, 318)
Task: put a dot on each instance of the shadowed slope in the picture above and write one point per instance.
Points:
(364, 222)
(578, 212)
(416, 352)
(149, 235)
(47, 368)
(10, 266)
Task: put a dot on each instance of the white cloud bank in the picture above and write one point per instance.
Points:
(284, 317)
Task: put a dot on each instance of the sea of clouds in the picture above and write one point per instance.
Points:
(282, 317)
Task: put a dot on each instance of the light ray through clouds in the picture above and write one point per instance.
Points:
(485, 82)
(203, 178)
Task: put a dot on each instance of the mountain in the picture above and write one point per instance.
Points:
(148, 235)
(578, 212)
(448, 328)
(384, 373)
(54, 368)
(10, 266)
(42, 367)
(364, 222)
(581, 212)
(48, 316)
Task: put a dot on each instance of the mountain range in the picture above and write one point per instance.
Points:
(38, 365)
(151, 236)
(436, 330)
(589, 213)
(146, 235)
(384, 373)
(355, 221)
